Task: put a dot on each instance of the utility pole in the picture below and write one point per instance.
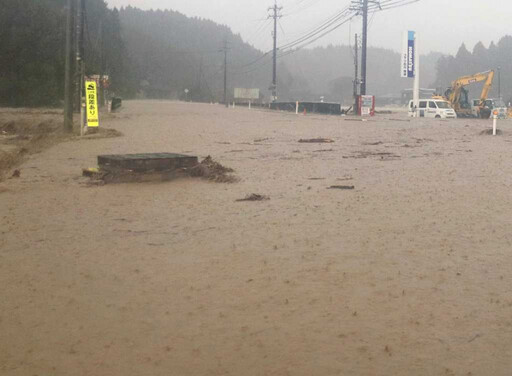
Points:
(200, 78)
(68, 75)
(80, 59)
(365, 45)
(226, 72)
(275, 16)
(102, 67)
(362, 7)
(80, 67)
(356, 76)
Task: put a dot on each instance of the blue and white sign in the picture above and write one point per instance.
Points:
(408, 67)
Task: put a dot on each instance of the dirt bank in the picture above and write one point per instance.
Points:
(24, 132)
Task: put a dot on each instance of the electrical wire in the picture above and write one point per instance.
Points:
(299, 47)
(349, 14)
(390, 4)
(311, 33)
(328, 26)
(259, 30)
(340, 16)
(300, 9)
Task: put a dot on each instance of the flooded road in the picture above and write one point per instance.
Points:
(407, 273)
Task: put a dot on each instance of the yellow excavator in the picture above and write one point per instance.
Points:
(457, 95)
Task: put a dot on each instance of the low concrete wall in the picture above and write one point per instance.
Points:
(310, 107)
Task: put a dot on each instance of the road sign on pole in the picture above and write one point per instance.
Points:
(91, 92)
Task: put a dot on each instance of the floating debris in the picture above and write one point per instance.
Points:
(342, 187)
(214, 171)
(262, 139)
(488, 132)
(254, 197)
(316, 140)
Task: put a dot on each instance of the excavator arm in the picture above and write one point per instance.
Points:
(457, 95)
(487, 87)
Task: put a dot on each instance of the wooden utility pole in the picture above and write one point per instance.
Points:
(226, 73)
(200, 79)
(80, 62)
(101, 89)
(80, 66)
(356, 76)
(68, 73)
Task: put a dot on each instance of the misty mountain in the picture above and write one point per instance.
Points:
(329, 72)
(170, 52)
(160, 54)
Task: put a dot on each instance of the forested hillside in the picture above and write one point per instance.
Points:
(170, 52)
(159, 54)
(32, 38)
(31, 57)
(479, 60)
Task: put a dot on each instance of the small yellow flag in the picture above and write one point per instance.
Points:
(91, 104)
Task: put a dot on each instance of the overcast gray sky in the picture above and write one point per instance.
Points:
(442, 24)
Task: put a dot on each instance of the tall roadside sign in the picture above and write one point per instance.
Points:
(91, 92)
(410, 64)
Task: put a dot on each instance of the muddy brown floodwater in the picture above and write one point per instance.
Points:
(409, 273)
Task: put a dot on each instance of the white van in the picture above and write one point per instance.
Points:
(433, 108)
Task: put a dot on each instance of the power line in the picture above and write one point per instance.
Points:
(290, 51)
(259, 30)
(391, 4)
(255, 61)
(329, 25)
(257, 68)
(304, 38)
(338, 17)
(302, 5)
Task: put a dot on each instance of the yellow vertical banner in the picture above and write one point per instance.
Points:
(91, 95)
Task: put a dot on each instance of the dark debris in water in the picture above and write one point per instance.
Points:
(342, 187)
(254, 197)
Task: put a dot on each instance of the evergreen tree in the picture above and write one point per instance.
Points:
(497, 56)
